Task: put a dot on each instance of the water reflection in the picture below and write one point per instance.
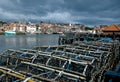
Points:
(27, 41)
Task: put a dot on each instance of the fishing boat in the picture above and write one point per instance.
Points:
(10, 32)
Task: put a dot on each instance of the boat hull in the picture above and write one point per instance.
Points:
(10, 33)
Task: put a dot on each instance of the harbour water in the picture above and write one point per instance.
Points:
(27, 41)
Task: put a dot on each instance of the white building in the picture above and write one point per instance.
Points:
(31, 28)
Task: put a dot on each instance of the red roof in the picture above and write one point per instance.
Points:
(111, 28)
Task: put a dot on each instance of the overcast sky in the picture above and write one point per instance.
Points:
(90, 12)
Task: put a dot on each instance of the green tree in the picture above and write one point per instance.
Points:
(1, 23)
(88, 28)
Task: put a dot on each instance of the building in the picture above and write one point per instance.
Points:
(112, 29)
(97, 30)
(31, 28)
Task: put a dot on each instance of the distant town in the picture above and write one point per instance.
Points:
(52, 28)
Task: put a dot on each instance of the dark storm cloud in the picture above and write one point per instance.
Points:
(92, 12)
